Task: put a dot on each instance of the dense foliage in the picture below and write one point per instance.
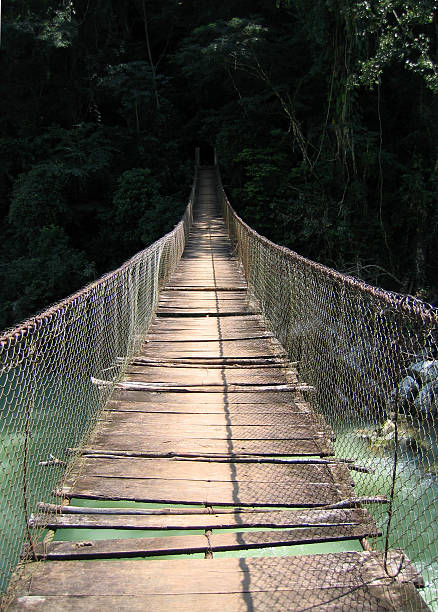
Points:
(324, 115)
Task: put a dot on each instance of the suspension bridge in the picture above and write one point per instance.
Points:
(196, 409)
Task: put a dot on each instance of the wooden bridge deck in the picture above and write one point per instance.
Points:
(211, 420)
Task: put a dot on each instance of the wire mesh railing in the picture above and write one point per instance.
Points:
(57, 371)
(371, 359)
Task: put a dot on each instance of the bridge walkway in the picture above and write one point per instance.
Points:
(209, 449)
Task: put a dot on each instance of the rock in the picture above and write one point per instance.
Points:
(425, 371)
(383, 439)
(406, 391)
(426, 402)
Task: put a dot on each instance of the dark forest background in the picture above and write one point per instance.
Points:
(323, 113)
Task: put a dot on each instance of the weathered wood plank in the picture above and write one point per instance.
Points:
(243, 287)
(212, 294)
(233, 347)
(245, 411)
(218, 576)
(224, 399)
(138, 385)
(214, 471)
(214, 432)
(219, 362)
(297, 492)
(203, 375)
(271, 519)
(224, 419)
(333, 599)
(143, 547)
(139, 443)
(209, 348)
(249, 320)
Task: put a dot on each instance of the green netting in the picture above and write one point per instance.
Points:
(57, 371)
(371, 357)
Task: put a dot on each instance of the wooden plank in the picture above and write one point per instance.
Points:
(213, 432)
(139, 443)
(246, 411)
(223, 419)
(228, 326)
(273, 519)
(395, 597)
(296, 492)
(212, 294)
(182, 336)
(204, 312)
(219, 362)
(145, 547)
(225, 348)
(214, 471)
(203, 375)
(249, 348)
(218, 576)
(224, 399)
(273, 364)
(205, 300)
(243, 287)
(138, 385)
(249, 320)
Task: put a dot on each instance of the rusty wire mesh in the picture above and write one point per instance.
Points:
(57, 371)
(371, 357)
